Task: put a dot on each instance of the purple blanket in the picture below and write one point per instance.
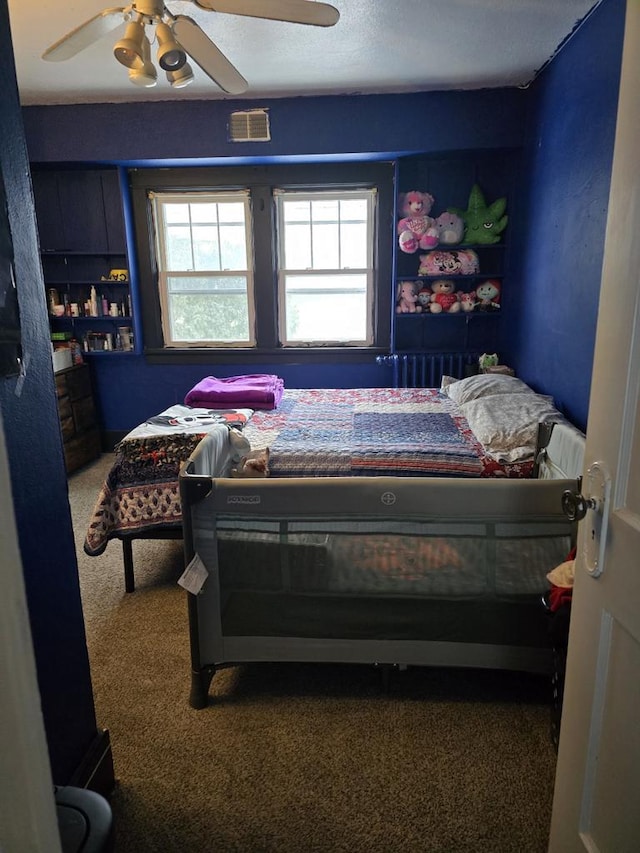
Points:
(254, 391)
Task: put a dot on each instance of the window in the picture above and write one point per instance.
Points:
(325, 266)
(205, 276)
(275, 261)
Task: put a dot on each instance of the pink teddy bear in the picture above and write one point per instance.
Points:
(417, 230)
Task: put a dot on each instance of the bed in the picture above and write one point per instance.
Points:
(382, 553)
(362, 432)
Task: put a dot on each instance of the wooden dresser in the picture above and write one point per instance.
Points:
(78, 421)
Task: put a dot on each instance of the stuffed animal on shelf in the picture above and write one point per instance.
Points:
(455, 262)
(482, 223)
(488, 295)
(416, 230)
(424, 297)
(444, 298)
(450, 228)
(468, 301)
(407, 298)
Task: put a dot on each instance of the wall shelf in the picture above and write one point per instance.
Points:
(449, 178)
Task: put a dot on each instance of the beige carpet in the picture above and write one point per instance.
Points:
(300, 758)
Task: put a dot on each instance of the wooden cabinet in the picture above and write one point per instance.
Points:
(78, 420)
(449, 179)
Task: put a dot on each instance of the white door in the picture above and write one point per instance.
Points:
(597, 793)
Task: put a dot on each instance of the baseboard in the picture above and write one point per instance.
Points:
(95, 771)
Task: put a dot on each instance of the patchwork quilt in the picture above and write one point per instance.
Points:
(371, 432)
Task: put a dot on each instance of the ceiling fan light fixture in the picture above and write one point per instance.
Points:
(171, 57)
(129, 50)
(147, 76)
(180, 78)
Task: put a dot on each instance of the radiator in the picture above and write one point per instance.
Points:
(425, 370)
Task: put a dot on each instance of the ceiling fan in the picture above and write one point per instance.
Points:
(179, 37)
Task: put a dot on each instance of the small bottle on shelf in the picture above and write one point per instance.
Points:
(105, 305)
(94, 301)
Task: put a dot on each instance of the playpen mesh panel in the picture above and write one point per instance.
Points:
(399, 559)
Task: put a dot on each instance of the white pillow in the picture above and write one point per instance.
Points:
(485, 385)
(507, 424)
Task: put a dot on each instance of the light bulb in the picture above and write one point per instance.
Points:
(171, 57)
(129, 50)
(181, 78)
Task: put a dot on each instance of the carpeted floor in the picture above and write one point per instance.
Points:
(295, 758)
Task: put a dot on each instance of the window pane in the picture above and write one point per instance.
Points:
(354, 210)
(233, 247)
(326, 247)
(178, 248)
(325, 210)
(203, 212)
(326, 308)
(205, 248)
(297, 247)
(353, 245)
(174, 213)
(209, 317)
(231, 212)
(296, 210)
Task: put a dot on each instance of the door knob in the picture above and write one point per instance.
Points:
(594, 506)
(575, 505)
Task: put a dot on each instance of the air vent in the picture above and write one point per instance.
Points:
(249, 126)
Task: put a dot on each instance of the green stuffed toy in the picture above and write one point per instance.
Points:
(487, 360)
(482, 224)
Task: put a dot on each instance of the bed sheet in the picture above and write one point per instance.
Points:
(317, 432)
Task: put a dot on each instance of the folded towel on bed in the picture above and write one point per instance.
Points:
(254, 390)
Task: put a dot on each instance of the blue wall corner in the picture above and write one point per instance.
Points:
(567, 160)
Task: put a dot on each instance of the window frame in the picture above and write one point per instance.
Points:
(369, 194)
(156, 199)
(262, 181)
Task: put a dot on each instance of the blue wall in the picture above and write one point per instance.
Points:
(565, 122)
(363, 127)
(39, 483)
(567, 167)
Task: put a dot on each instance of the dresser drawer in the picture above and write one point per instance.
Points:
(64, 408)
(84, 413)
(78, 383)
(68, 428)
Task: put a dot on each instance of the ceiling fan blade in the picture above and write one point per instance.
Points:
(205, 54)
(294, 11)
(85, 35)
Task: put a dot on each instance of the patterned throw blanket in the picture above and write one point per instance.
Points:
(141, 491)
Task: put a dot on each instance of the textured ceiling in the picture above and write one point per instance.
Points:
(376, 47)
